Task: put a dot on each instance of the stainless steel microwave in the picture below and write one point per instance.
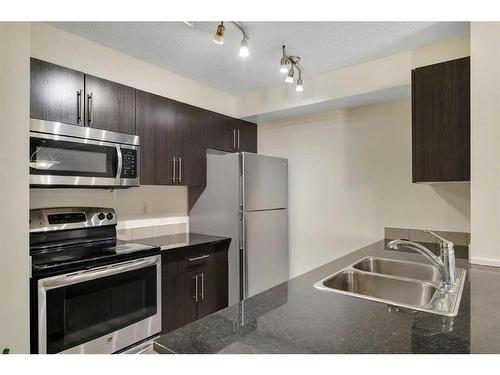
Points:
(64, 155)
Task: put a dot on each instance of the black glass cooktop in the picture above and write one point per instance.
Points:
(76, 257)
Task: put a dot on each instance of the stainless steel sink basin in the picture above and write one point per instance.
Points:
(410, 285)
(419, 271)
(391, 289)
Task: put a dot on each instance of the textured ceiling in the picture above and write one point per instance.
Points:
(323, 46)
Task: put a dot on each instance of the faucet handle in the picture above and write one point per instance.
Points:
(445, 244)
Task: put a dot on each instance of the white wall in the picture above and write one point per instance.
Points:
(14, 251)
(485, 143)
(350, 175)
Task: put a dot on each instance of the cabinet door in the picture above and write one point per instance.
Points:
(109, 105)
(213, 288)
(191, 145)
(441, 122)
(221, 132)
(156, 127)
(56, 93)
(179, 306)
(247, 136)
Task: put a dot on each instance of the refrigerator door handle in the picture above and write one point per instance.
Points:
(243, 258)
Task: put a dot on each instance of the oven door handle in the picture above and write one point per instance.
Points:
(119, 164)
(82, 276)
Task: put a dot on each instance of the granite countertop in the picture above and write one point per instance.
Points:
(294, 317)
(177, 241)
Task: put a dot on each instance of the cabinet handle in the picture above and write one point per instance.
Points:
(234, 139)
(195, 288)
(202, 286)
(89, 107)
(180, 170)
(173, 170)
(79, 107)
(198, 258)
(238, 139)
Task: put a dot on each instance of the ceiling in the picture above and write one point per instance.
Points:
(323, 46)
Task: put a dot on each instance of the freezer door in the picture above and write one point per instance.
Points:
(264, 182)
(265, 250)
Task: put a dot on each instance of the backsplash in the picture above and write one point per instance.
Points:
(419, 235)
(147, 228)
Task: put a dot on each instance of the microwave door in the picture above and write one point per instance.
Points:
(67, 161)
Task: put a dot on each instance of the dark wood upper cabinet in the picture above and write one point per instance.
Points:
(173, 141)
(56, 93)
(229, 134)
(109, 105)
(247, 140)
(191, 143)
(155, 122)
(441, 122)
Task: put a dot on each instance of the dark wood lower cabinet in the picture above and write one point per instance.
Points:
(214, 296)
(194, 285)
(178, 305)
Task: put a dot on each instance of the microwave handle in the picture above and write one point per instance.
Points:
(119, 164)
(82, 276)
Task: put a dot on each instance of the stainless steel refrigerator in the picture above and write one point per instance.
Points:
(246, 198)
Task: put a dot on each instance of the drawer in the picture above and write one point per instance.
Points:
(188, 259)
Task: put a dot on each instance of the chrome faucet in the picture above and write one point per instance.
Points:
(445, 263)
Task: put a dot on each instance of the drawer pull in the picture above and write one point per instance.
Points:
(198, 258)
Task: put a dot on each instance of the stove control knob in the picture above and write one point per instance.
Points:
(101, 216)
(109, 216)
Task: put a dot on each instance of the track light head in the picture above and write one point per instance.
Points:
(299, 87)
(219, 34)
(284, 65)
(244, 52)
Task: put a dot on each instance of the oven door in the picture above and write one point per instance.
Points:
(101, 310)
(58, 160)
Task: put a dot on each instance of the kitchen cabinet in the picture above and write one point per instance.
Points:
(173, 141)
(247, 136)
(441, 122)
(194, 283)
(109, 105)
(155, 123)
(56, 93)
(72, 97)
(231, 135)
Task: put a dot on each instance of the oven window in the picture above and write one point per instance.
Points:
(51, 157)
(82, 312)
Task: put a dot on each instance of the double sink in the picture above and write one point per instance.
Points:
(411, 285)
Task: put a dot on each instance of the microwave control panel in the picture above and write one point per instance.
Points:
(129, 163)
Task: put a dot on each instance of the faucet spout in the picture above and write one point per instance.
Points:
(445, 264)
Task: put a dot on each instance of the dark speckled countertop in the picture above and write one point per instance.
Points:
(178, 241)
(294, 317)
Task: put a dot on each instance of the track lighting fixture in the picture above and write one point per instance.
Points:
(219, 34)
(288, 64)
(219, 37)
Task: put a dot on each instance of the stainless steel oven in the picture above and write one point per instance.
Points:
(100, 310)
(64, 155)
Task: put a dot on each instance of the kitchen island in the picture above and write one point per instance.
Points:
(294, 317)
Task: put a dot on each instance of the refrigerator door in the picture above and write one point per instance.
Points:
(264, 182)
(264, 250)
